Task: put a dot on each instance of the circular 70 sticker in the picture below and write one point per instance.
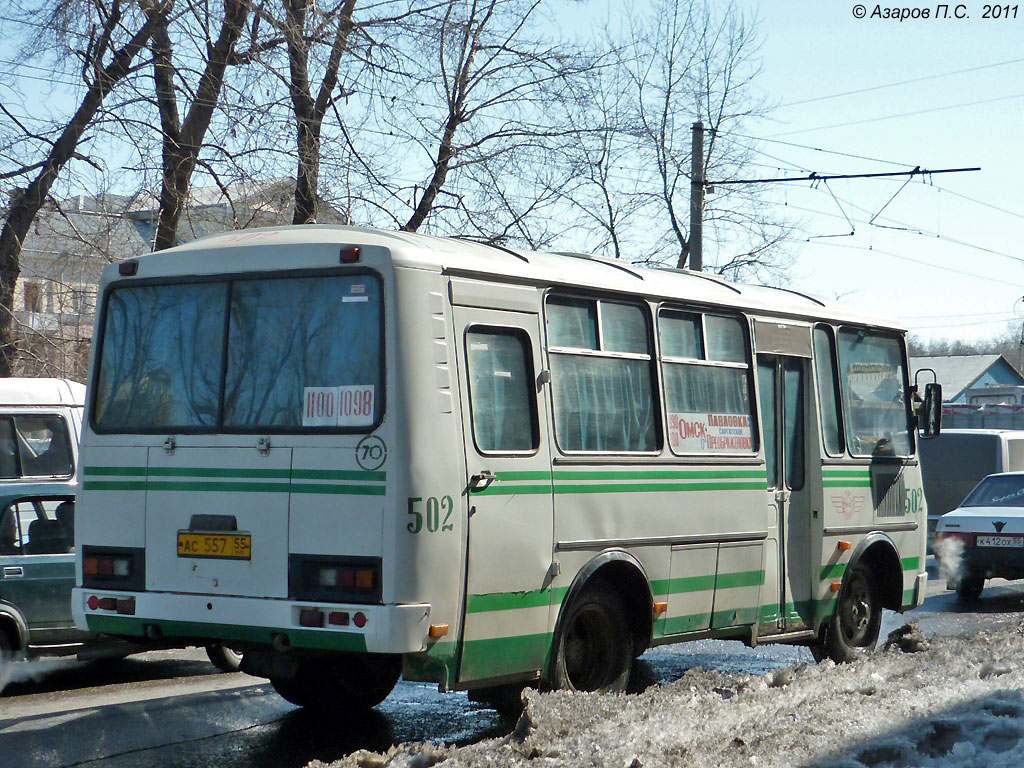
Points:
(371, 453)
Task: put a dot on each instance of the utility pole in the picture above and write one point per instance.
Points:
(695, 245)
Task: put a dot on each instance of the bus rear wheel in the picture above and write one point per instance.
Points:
(594, 649)
(223, 658)
(852, 631)
(352, 683)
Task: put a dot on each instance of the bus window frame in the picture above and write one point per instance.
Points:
(744, 321)
(531, 375)
(837, 391)
(650, 358)
(230, 277)
(900, 339)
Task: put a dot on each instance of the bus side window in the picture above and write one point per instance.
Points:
(602, 387)
(501, 392)
(828, 387)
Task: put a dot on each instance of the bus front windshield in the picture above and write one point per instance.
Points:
(254, 354)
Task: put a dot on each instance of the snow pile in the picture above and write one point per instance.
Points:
(953, 701)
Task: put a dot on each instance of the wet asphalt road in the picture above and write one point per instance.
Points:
(174, 708)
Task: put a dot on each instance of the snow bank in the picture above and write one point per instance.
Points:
(953, 701)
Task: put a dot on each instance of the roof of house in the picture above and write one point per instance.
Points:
(957, 372)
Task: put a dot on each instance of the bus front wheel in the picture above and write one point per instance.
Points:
(594, 649)
(852, 631)
(351, 683)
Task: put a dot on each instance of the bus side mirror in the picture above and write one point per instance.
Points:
(929, 416)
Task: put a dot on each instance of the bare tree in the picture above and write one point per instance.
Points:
(687, 63)
(106, 58)
(183, 139)
(478, 108)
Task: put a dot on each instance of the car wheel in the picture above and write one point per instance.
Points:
(594, 649)
(852, 630)
(223, 658)
(969, 589)
(354, 683)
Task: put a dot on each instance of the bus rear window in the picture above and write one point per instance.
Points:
(261, 354)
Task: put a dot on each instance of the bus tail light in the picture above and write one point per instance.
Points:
(114, 568)
(329, 579)
(310, 617)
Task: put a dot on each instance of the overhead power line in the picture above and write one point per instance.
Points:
(901, 82)
(829, 176)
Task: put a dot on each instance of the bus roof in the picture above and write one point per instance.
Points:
(473, 259)
(44, 392)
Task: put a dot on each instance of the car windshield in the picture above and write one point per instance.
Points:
(997, 491)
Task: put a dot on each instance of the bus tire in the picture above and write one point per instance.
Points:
(223, 658)
(353, 683)
(968, 589)
(852, 631)
(594, 649)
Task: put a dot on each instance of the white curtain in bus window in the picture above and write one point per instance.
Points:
(501, 391)
(160, 360)
(707, 397)
(601, 402)
(288, 336)
(873, 380)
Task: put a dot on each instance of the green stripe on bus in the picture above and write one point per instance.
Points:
(510, 601)
(911, 563)
(345, 490)
(113, 485)
(711, 474)
(504, 656)
(833, 571)
(300, 638)
(338, 474)
(739, 579)
(510, 490)
(658, 487)
(682, 585)
(115, 471)
(218, 472)
(214, 487)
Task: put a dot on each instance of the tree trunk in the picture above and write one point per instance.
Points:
(181, 147)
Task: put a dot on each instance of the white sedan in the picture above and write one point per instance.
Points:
(983, 538)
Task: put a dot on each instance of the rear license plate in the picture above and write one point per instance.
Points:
(226, 546)
(1001, 541)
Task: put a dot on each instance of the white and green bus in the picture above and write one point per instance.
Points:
(354, 454)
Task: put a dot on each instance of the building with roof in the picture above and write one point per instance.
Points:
(71, 241)
(959, 373)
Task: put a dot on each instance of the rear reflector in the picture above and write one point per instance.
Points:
(438, 630)
(308, 617)
(359, 619)
(660, 607)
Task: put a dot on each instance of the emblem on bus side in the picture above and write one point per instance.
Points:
(848, 505)
(371, 453)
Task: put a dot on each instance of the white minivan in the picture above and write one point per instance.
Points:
(40, 425)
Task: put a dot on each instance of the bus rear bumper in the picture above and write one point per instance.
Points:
(199, 619)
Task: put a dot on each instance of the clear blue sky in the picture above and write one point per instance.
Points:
(934, 114)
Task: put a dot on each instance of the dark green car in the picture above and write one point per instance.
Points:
(37, 571)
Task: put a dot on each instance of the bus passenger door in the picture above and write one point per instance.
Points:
(508, 492)
(782, 381)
